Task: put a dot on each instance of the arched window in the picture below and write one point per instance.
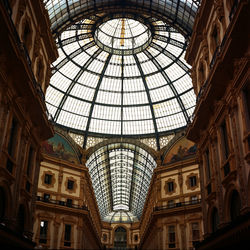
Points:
(105, 237)
(2, 203)
(136, 237)
(120, 237)
(235, 205)
(214, 220)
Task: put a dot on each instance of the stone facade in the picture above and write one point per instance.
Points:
(221, 125)
(24, 123)
(172, 217)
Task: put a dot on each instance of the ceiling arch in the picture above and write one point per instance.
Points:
(121, 175)
(178, 13)
(131, 141)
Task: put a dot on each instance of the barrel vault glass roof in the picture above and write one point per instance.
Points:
(121, 174)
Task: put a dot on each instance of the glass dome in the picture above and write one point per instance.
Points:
(121, 75)
(123, 36)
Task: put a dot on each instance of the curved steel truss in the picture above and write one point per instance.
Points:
(121, 174)
(179, 13)
(148, 92)
(121, 73)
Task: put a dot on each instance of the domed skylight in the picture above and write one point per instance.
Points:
(121, 75)
(123, 36)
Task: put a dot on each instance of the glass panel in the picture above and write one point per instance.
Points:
(123, 171)
(120, 89)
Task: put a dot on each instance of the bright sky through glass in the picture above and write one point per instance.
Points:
(145, 92)
(121, 75)
(120, 174)
(123, 33)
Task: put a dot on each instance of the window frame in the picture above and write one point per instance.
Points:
(196, 238)
(69, 183)
(49, 178)
(67, 239)
(171, 236)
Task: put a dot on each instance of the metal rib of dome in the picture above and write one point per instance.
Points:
(144, 92)
(120, 174)
(121, 75)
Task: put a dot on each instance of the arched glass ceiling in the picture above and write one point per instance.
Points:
(120, 86)
(180, 13)
(120, 217)
(120, 174)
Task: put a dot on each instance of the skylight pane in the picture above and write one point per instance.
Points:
(53, 96)
(60, 81)
(108, 97)
(130, 85)
(156, 81)
(161, 93)
(107, 112)
(83, 92)
(137, 113)
(111, 84)
(76, 106)
(134, 98)
(73, 121)
(104, 126)
(177, 121)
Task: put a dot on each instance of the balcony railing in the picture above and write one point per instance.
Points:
(61, 203)
(178, 204)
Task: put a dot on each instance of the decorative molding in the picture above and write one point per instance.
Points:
(53, 179)
(188, 181)
(64, 134)
(166, 186)
(71, 191)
